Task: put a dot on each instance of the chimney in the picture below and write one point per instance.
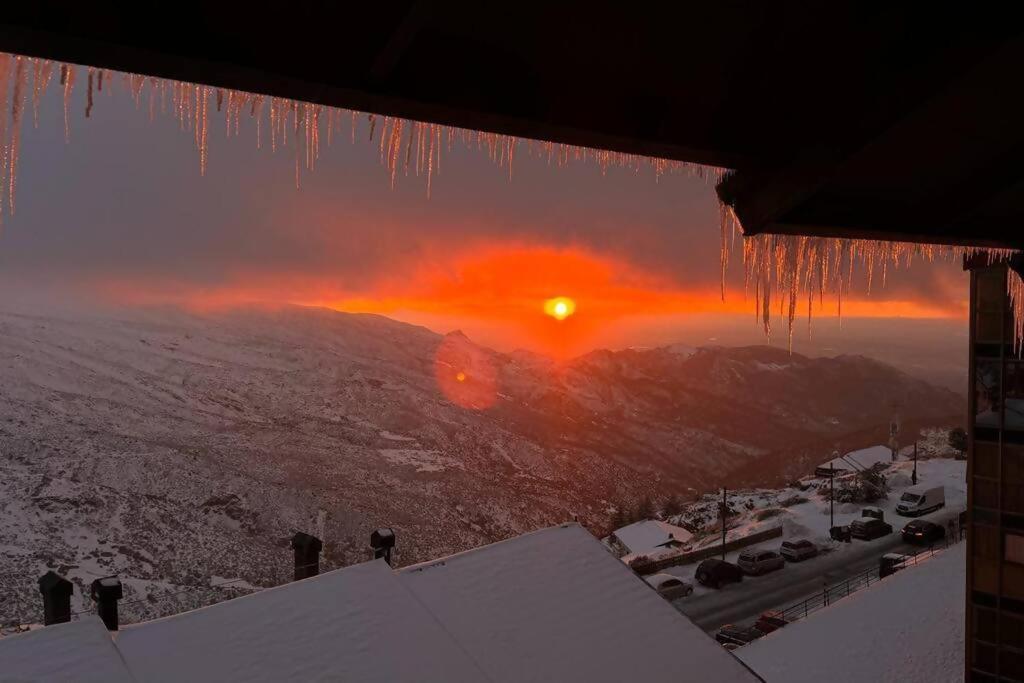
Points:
(382, 541)
(307, 555)
(56, 592)
(106, 592)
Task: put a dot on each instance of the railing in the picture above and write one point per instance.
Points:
(853, 584)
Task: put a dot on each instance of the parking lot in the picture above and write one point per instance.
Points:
(743, 602)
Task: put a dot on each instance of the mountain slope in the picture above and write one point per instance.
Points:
(172, 448)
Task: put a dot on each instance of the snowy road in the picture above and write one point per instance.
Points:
(744, 602)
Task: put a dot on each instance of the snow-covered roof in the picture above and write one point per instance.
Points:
(910, 626)
(353, 624)
(554, 605)
(864, 458)
(650, 534)
(80, 651)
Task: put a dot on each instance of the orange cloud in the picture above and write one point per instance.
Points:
(502, 288)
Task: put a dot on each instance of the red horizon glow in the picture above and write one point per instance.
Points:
(504, 288)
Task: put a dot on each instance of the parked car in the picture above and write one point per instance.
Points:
(890, 563)
(668, 586)
(798, 550)
(714, 573)
(877, 513)
(923, 532)
(757, 562)
(770, 621)
(737, 635)
(920, 500)
(840, 533)
(869, 528)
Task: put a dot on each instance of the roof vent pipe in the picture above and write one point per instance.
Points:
(383, 542)
(106, 592)
(307, 555)
(56, 592)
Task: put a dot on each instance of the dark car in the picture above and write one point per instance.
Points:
(869, 528)
(770, 621)
(714, 573)
(923, 532)
(737, 635)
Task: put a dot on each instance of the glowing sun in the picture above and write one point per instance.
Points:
(560, 307)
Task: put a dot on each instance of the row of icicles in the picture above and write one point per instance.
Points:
(788, 270)
(405, 146)
(779, 268)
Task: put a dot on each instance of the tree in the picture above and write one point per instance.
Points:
(644, 509)
(958, 440)
(619, 517)
(673, 506)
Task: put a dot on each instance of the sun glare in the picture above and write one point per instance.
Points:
(560, 308)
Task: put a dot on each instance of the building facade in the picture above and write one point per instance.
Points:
(995, 499)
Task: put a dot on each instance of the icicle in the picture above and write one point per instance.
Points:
(68, 79)
(788, 265)
(17, 105)
(88, 98)
(1015, 288)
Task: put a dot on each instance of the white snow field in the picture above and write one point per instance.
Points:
(908, 628)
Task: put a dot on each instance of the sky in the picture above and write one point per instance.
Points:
(122, 214)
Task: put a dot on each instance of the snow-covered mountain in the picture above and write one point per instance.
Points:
(178, 450)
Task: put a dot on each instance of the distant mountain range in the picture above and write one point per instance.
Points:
(175, 449)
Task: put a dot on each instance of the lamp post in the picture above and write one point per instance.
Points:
(913, 475)
(723, 523)
(832, 495)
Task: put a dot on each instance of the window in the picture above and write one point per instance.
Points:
(987, 399)
(990, 300)
(1013, 402)
(986, 493)
(910, 497)
(986, 542)
(986, 459)
(986, 625)
(1013, 548)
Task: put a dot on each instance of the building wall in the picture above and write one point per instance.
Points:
(995, 499)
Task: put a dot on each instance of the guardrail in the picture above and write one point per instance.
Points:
(853, 584)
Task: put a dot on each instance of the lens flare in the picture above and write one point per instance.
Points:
(560, 307)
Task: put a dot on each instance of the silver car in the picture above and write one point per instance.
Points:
(756, 562)
(668, 586)
(798, 550)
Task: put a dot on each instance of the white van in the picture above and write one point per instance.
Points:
(920, 500)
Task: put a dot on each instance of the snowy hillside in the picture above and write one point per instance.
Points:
(178, 450)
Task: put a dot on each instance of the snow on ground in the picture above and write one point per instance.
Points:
(909, 627)
(422, 460)
(805, 513)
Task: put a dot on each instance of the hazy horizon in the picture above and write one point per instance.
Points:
(121, 214)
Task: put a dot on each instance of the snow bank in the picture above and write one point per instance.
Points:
(909, 627)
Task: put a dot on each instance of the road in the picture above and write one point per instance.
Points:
(742, 603)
